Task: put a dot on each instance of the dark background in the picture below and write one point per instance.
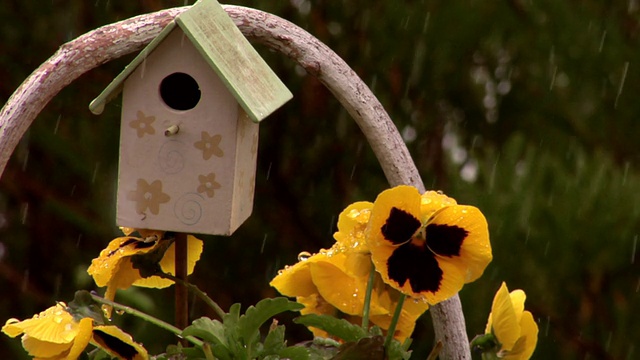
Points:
(527, 109)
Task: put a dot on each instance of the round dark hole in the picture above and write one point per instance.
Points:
(180, 91)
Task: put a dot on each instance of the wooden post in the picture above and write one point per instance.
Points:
(182, 295)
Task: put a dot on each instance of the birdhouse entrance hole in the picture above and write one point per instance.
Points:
(180, 91)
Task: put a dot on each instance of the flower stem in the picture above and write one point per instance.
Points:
(367, 298)
(146, 317)
(201, 294)
(394, 320)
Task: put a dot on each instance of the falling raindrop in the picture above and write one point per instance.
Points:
(304, 256)
(604, 36)
(264, 241)
(624, 77)
(24, 212)
(553, 77)
(626, 171)
(95, 172)
(546, 329)
(269, 170)
(55, 130)
(25, 160)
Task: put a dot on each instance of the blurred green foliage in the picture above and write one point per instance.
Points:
(525, 109)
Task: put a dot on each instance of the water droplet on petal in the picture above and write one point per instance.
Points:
(304, 256)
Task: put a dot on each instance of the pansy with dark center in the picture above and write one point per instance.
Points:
(427, 246)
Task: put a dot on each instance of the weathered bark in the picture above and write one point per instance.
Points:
(115, 40)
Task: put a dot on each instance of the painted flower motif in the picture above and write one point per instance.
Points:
(143, 124)
(427, 246)
(55, 334)
(115, 267)
(210, 145)
(514, 328)
(208, 184)
(148, 196)
(335, 280)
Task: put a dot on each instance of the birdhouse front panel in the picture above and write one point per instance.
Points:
(188, 151)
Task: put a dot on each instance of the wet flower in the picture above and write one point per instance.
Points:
(126, 259)
(55, 334)
(143, 124)
(148, 196)
(427, 246)
(208, 184)
(334, 281)
(210, 145)
(511, 331)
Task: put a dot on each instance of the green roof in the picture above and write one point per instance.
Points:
(245, 74)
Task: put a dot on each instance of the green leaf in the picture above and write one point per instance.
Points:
(211, 331)
(274, 340)
(294, 353)
(249, 324)
(336, 327)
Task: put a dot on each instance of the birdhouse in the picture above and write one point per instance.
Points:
(191, 104)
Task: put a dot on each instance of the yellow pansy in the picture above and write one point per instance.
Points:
(335, 280)
(513, 327)
(427, 246)
(114, 267)
(54, 334)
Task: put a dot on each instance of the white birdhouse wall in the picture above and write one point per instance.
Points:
(187, 149)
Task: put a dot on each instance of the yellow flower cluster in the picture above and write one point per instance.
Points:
(54, 334)
(424, 246)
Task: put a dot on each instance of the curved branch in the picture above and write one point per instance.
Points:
(113, 41)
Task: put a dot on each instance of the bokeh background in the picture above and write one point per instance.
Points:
(526, 109)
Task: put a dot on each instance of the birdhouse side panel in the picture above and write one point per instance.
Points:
(245, 172)
(178, 144)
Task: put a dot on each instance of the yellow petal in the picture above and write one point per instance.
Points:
(167, 264)
(352, 223)
(432, 201)
(526, 344)
(517, 300)
(107, 264)
(44, 349)
(54, 325)
(475, 250)
(81, 341)
(505, 324)
(118, 343)
(344, 292)
(296, 280)
(404, 198)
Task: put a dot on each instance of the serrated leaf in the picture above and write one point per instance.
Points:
(211, 331)
(249, 324)
(336, 327)
(295, 353)
(274, 341)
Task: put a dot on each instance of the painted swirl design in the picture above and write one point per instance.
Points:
(188, 208)
(171, 158)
